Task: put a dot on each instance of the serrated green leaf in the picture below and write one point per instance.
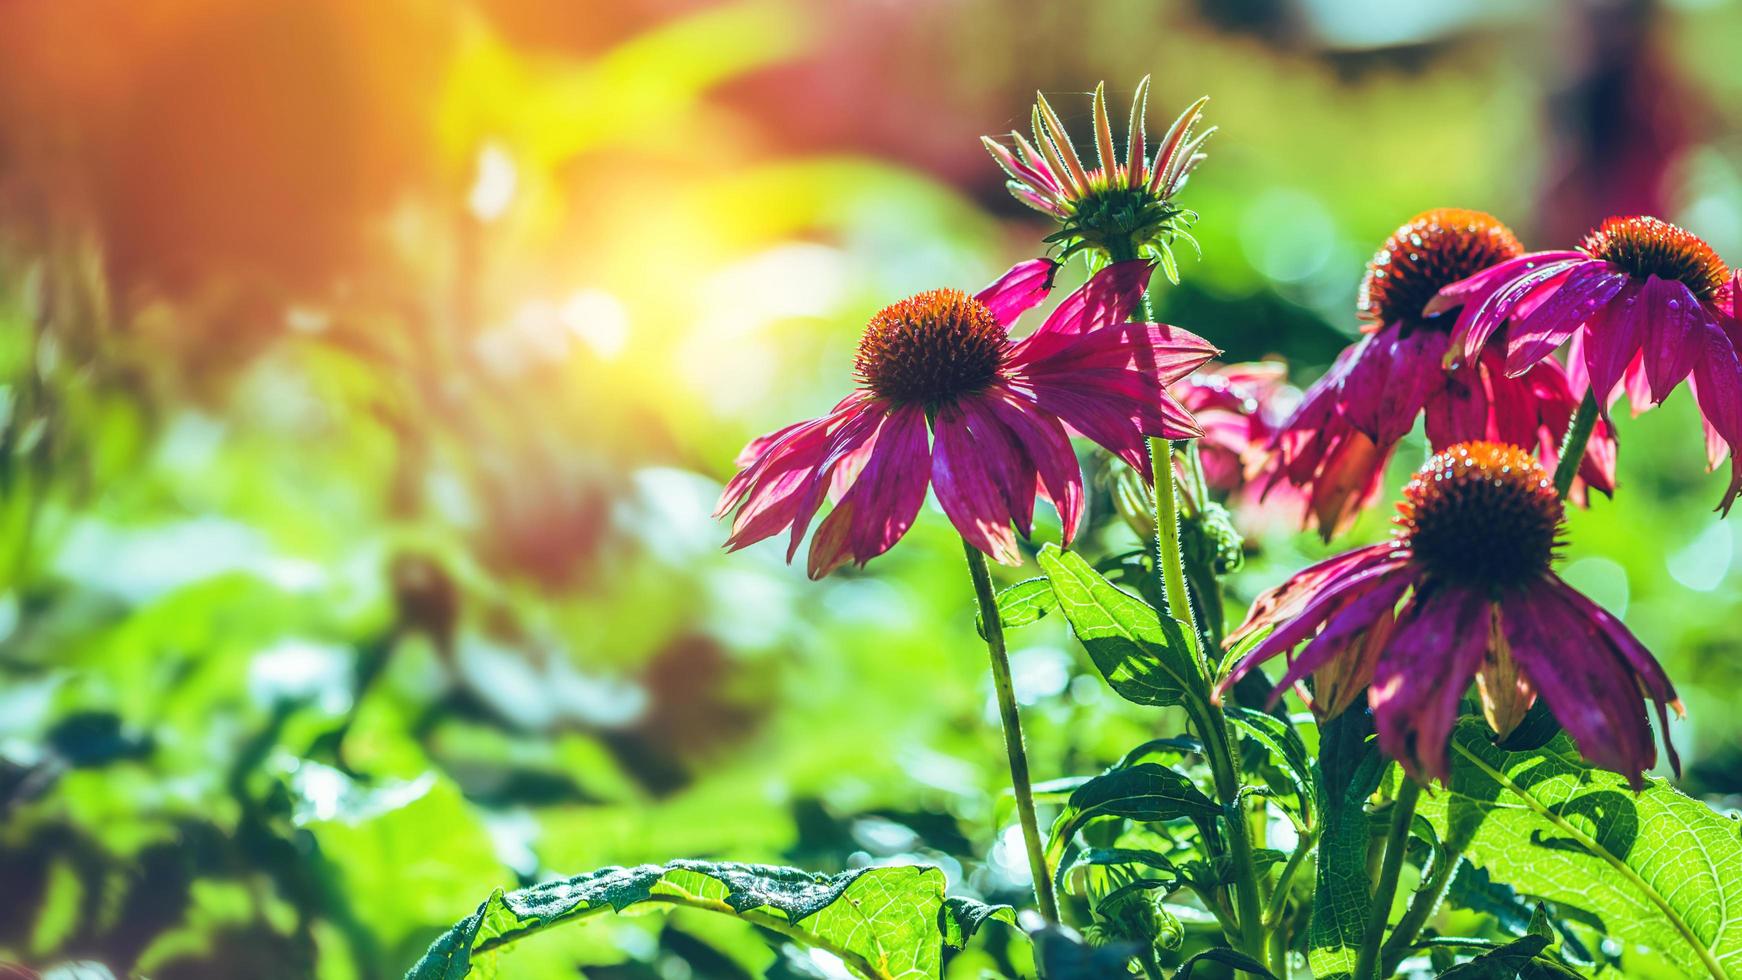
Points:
(1028, 601)
(1661, 869)
(1350, 768)
(1143, 654)
(886, 923)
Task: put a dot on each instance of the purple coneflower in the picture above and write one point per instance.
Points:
(1464, 590)
(1640, 304)
(1122, 206)
(1335, 447)
(1000, 414)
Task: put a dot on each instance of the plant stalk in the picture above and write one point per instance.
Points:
(1012, 725)
(1421, 908)
(1573, 448)
(1396, 843)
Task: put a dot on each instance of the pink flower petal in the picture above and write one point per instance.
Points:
(1347, 624)
(1570, 663)
(1323, 603)
(964, 472)
(883, 503)
(1048, 448)
(1423, 673)
(1674, 336)
(1019, 290)
(1478, 322)
(1390, 383)
(1110, 297)
(1580, 298)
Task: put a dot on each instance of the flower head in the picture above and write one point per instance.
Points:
(1122, 206)
(1640, 305)
(999, 412)
(1464, 591)
(1335, 447)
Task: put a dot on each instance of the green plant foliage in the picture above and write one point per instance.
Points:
(1144, 655)
(1234, 961)
(1659, 868)
(1021, 604)
(886, 923)
(1352, 768)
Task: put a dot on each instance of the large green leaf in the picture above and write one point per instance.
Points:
(885, 923)
(1143, 654)
(1661, 869)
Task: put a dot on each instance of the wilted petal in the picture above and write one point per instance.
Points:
(1423, 673)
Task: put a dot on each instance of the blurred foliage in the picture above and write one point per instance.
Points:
(368, 372)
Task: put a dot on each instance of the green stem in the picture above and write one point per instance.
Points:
(1151, 969)
(1225, 772)
(1421, 908)
(1168, 560)
(1019, 779)
(1573, 449)
(1278, 936)
(1396, 843)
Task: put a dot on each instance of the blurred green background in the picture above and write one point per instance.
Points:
(368, 372)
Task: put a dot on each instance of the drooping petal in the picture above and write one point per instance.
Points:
(1284, 602)
(852, 448)
(1579, 298)
(1674, 337)
(1110, 297)
(1332, 598)
(883, 503)
(1717, 388)
(1390, 382)
(1012, 471)
(1584, 683)
(1612, 339)
(1048, 448)
(1019, 290)
(1345, 633)
(1423, 673)
(1347, 483)
(966, 472)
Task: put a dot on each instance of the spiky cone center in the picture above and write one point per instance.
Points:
(1433, 250)
(1643, 246)
(1481, 514)
(931, 349)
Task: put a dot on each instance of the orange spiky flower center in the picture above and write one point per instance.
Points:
(931, 348)
(1483, 514)
(1435, 249)
(1644, 246)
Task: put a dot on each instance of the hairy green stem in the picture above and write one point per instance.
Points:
(1151, 969)
(1396, 843)
(1012, 724)
(1169, 563)
(1573, 448)
(1273, 912)
(1224, 768)
(1421, 908)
